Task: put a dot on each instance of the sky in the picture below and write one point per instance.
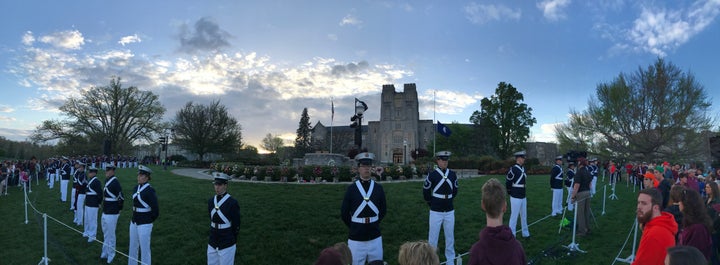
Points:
(267, 60)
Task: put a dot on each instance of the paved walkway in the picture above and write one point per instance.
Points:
(198, 173)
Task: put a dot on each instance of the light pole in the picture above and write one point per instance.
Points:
(360, 108)
(404, 151)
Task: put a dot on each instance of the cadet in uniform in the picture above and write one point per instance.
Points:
(569, 181)
(112, 204)
(80, 202)
(92, 203)
(515, 184)
(64, 179)
(51, 174)
(556, 185)
(224, 223)
(73, 190)
(145, 211)
(593, 167)
(363, 208)
(439, 190)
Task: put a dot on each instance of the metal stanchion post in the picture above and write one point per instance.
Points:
(45, 258)
(604, 195)
(26, 202)
(575, 246)
(631, 258)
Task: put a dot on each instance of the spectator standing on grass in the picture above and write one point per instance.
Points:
(224, 223)
(418, 253)
(697, 226)
(439, 191)
(113, 202)
(362, 210)
(658, 228)
(581, 196)
(673, 206)
(515, 184)
(497, 243)
(712, 203)
(145, 212)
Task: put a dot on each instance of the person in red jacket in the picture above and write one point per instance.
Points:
(659, 228)
(497, 244)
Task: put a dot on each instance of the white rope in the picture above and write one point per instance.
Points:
(75, 230)
(625, 243)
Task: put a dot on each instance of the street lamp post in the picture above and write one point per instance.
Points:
(404, 151)
(360, 108)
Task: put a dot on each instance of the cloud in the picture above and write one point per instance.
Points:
(482, 13)
(544, 132)
(263, 94)
(332, 37)
(71, 39)
(15, 134)
(553, 10)
(129, 39)
(6, 118)
(206, 35)
(659, 30)
(446, 101)
(4, 108)
(28, 39)
(349, 19)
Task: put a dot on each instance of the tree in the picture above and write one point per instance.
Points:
(207, 129)
(303, 139)
(652, 114)
(458, 142)
(113, 113)
(507, 120)
(272, 143)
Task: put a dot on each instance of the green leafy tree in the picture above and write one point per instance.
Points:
(458, 142)
(204, 129)
(505, 119)
(655, 113)
(303, 140)
(119, 115)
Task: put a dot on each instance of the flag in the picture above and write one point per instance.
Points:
(332, 106)
(444, 130)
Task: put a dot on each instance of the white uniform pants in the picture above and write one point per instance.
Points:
(79, 211)
(108, 223)
(447, 221)
(363, 251)
(63, 190)
(57, 175)
(51, 180)
(72, 198)
(593, 186)
(140, 240)
(557, 201)
(225, 256)
(570, 205)
(519, 207)
(90, 223)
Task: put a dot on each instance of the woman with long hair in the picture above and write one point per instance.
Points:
(697, 225)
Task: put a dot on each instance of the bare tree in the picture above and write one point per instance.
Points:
(110, 113)
(207, 129)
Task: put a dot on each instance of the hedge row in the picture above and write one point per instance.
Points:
(306, 173)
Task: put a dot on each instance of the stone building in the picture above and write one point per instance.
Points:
(393, 137)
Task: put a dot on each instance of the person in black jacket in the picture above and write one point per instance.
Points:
(556, 185)
(581, 196)
(113, 201)
(145, 211)
(439, 190)
(92, 203)
(515, 185)
(362, 209)
(224, 223)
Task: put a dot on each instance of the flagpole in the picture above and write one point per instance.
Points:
(332, 119)
(434, 121)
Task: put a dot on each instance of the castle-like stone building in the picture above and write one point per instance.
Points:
(398, 132)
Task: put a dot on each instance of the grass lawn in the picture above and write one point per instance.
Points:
(290, 224)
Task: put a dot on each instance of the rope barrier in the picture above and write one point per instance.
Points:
(46, 216)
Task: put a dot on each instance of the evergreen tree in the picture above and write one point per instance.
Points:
(302, 140)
